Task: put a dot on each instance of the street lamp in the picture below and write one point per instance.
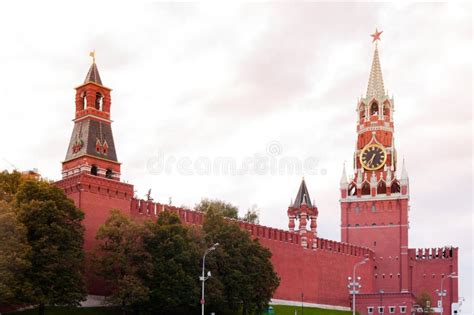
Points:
(302, 308)
(354, 285)
(442, 292)
(203, 278)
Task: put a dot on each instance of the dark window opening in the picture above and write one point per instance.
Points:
(374, 109)
(84, 100)
(381, 188)
(94, 170)
(98, 101)
(366, 189)
(108, 173)
(395, 187)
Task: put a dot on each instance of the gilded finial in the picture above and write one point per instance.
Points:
(92, 54)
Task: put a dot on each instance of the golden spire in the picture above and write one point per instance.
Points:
(375, 87)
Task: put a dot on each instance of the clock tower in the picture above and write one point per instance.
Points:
(374, 202)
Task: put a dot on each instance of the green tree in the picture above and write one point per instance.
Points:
(122, 260)
(9, 183)
(243, 266)
(175, 250)
(14, 258)
(226, 209)
(251, 216)
(55, 235)
(424, 301)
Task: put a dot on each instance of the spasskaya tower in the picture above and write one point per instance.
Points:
(374, 202)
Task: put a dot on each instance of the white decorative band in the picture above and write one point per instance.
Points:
(374, 226)
(298, 303)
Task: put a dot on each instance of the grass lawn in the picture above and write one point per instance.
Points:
(278, 309)
(73, 311)
(290, 310)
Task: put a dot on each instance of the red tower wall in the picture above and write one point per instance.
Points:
(96, 196)
(428, 267)
(385, 231)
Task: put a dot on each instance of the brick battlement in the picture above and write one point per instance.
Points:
(144, 209)
(433, 253)
(85, 182)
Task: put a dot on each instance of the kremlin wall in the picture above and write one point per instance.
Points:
(374, 214)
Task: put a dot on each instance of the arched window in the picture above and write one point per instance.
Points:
(386, 110)
(352, 190)
(94, 170)
(361, 112)
(108, 173)
(98, 146)
(366, 189)
(105, 148)
(84, 100)
(374, 109)
(98, 101)
(381, 188)
(395, 187)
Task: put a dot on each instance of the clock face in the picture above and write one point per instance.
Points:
(373, 157)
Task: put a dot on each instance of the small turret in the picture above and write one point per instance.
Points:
(343, 184)
(303, 209)
(404, 179)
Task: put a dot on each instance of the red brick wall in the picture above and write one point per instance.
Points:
(320, 273)
(428, 267)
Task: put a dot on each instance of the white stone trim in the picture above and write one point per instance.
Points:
(92, 116)
(374, 226)
(298, 303)
(374, 128)
(394, 196)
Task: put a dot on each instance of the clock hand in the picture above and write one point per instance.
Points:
(371, 160)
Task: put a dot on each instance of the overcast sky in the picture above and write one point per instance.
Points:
(268, 84)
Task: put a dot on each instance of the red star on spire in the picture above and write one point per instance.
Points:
(376, 35)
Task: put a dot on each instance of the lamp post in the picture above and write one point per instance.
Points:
(302, 308)
(354, 285)
(381, 292)
(203, 278)
(442, 292)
